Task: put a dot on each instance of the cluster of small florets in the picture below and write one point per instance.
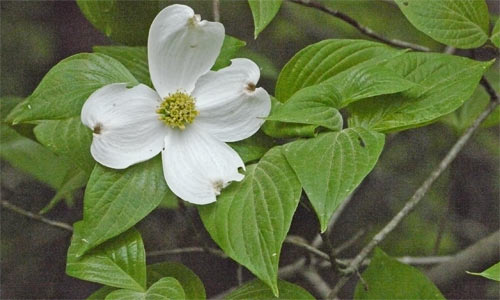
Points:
(177, 110)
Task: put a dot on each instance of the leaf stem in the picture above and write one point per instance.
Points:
(331, 252)
(37, 217)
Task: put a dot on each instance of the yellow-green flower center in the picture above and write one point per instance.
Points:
(177, 110)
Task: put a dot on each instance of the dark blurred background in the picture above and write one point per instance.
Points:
(461, 208)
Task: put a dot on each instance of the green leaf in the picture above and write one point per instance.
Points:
(135, 59)
(321, 61)
(263, 12)
(443, 83)
(101, 293)
(125, 22)
(29, 156)
(68, 137)
(492, 272)
(495, 34)
(7, 104)
(387, 278)
(164, 289)
(462, 118)
(257, 290)
(252, 148)
(115, 200)
(314, 105)
(286, 130)
(230, 47)
(32, 158)
(457, 23)
(493, 119)
(336, 164)
(65, 88)
(267, 67)
(120, 262)
(191, 284)
(251, 218)
(365, 81)
(75, 179)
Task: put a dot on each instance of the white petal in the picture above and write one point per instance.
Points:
(125, 124)
(181, 48)
(196, 165)
(228, 107)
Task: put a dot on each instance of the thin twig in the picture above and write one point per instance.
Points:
(362, 280)
(449, 50)
(347, 244)
(476, 257)
(363, 29)
(331, 252)
(36, 217)
(489, 89)
(409, 260)
(292, 269)
(414, 200)
(185, 250)
(317, 282)
(216, 10)
(300, 242)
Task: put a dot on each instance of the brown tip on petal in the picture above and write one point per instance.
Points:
(251, 87)
(218, 185)
(98, 128)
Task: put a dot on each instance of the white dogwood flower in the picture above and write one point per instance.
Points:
(188, 117)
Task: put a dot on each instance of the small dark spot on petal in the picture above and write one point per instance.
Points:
(361, 142)
(405, 3)
(193, 46)
(98, 128)
(251, 87)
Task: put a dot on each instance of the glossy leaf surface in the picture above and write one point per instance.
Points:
(125, 22)
(492, 272)
(336, 164)
(65, 88)
(458, 23)
(321, 61)
(251, 218)
(167, 288)
(191, 284)
(135, 59)
(257, 290)
(120, 262)
(263, 12)
(115, 200)
(315, 105)
(442, 84)
(389, 279)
